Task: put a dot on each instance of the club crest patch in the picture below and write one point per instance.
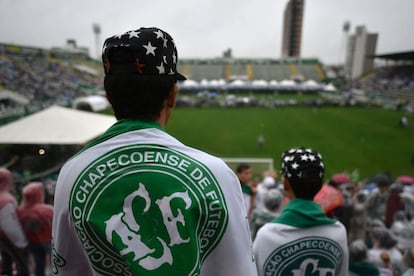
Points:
(307, 256)
(147, 210)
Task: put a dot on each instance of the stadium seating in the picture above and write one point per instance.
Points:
(251, 69)
(44, 80)
(390, 83)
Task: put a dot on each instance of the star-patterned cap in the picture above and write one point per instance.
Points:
(152, 53)
(297, 162)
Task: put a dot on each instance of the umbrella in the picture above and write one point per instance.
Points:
(329, 198)
(381, 179)
(406, 179)
(341, 178)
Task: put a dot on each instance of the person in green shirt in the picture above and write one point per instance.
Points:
(244, 172)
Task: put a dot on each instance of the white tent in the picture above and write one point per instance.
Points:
(330, 87)
(56, 125)
(6, 94)
(91, 103)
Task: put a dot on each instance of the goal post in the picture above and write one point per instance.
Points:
(259, 165)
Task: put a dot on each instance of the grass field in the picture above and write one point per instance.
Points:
(365, 139)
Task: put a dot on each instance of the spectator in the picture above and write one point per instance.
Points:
(13, 242)
(36, 219)
(268, 183)
(359, 217)
(244, 173)
(345, 212)
(358, 260)
(386, 268)
(269, 211)
(394, 203)
(331, 208)
(383, 241)
(371, 225)
(377, 200)
(407, 197)
(403, 230)
(136, 201)
(302, 238)
(409, 262)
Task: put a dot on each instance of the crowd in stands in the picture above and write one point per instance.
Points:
(394, 82)
(394, 77)
(378, 214)
(43, 80)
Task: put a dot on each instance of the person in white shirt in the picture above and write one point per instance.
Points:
(136, 201)
(302, 239)
(384, 242)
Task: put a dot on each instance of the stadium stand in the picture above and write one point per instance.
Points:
(252, 69)
(394, 82)
(199, 72)
(43, 79)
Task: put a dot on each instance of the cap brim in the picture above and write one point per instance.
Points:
(180, 77)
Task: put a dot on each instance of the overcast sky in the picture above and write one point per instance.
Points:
(204, 29)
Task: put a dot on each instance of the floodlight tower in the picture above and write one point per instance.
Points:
(344, 41)
(347, 57)
(97, 31)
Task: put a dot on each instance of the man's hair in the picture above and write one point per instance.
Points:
(307, 186)
(134, 96)
(384, 237)
(272, 199)
(409, 258)
(137, 97)
(242, 167)
(304, 168)
(358, 251)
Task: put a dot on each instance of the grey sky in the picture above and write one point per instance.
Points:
(204, 29)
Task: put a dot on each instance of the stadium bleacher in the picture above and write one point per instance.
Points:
(251, 69)
(44, 78)
(394, 82)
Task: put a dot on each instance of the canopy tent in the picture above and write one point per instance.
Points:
(56, 125)
(13, 96)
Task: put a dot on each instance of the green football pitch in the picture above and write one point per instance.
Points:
(367, 140)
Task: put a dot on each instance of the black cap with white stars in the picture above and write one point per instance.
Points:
(297, 162)
(152, 53)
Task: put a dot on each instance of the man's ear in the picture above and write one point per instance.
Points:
(108, 97)
(286, 185)
(287, 188)
(172, 96)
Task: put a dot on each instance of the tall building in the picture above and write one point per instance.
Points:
(360, 49)
(292, 28)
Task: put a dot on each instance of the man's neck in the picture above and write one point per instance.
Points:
(164, 116)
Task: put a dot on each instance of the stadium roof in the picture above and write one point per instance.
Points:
(397, 56)
(56, 125)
